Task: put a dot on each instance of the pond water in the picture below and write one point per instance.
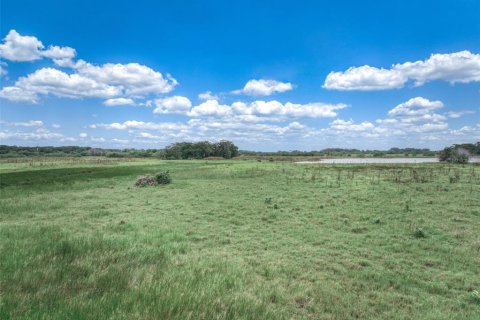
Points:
(382, 160)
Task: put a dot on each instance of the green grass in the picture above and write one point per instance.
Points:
(239, 240)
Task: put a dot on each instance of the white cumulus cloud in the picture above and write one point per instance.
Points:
(52, 81)
(260, 110)
(62, 56)
(133, 79)
(210, 108)
(16, 94)
(85, 80)
(207, 95)
(174, 104)
(38, 134)
(264, 87)
(16, 47)
(119, 102)
(457, 67)
(365, 78)
(295, 110)
(415, 107)
(349, 125)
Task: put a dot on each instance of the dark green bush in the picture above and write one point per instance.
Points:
(163, 177)
(453, 155)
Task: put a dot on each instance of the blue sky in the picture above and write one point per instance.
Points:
(268, 75)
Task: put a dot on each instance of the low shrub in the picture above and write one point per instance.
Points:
(143, 181)
(163, 177)
(159, 178)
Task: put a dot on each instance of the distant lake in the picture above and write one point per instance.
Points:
(381, 160)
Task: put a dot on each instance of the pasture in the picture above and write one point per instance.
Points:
(238, 240)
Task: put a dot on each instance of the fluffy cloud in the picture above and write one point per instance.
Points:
(4, 135)
(38, 134)
(108, 81)
(264, 110)
(210, 108)
(263, 87)
(207, 95)
(117, 82)
(120, 141)
(413, 116)
(62, 56)
(462, 67)
(147, 135)
(419, 109)
(20, 48)
(295, 110)
(18, 95)
(141, 125)
(31, 131)
(471, 131)
(458, 114)
(415, 107)
(28, 48)
(342, 125)
(52, 81)
(414, 120)
(132, 79)
(119, 102)
(365, 78)
(174, 104)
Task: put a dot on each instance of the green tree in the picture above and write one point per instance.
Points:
(226, 149)
(453, 155)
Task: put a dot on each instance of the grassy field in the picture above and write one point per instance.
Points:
(238, 240)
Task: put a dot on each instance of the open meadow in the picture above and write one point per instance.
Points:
(238, 240)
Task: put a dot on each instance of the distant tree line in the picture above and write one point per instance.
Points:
(224, 149)
(18, 151)
(472, 148)
(181, 150)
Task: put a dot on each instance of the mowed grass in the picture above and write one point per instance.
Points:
(239, 240)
